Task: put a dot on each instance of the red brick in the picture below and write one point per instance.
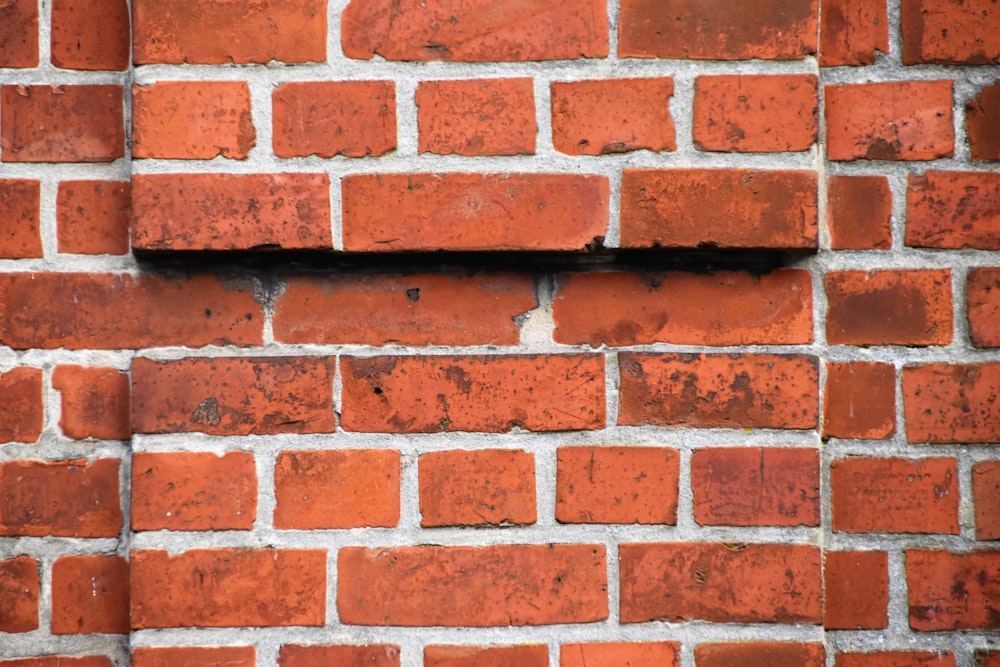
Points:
(59, 661)
(62, 123)
(889, 307)
(477, 117)
(617, 485)
(344, 488)
(95, 402)
(371, 655)
(946, 32)
(328, 118)
(953, 210)
(194, 656)
(221, 588)
(603, 116)
(717, 30)
(233, 395)
(412, 394)
(488, 487)
(896, 659)
(756, 113)
(192, 120)
(19, 591)
(719, 391)
(22, 413)
(475, 30)
(90, 595)
(986, 498)
(92, 217)
(851, 31)
(472, 586)
(71, 310)
(20, 235)
(708, 208)
(760, 654)
(856, 590)
(212, 32)
(397, 309)
(19, 34)
(90, 34)
(683, 308)
(952, 403)
(755, 486)
(895, 120)
(622, 654)
(193, 491)
(894, 495)
(986, 658)
(859, 212)
(457, 211)
(983, 294)
(952, 591)
(526, 655)
(860, 400)
(720, 582)
(61, 498)
(231, 212)
(982, 120)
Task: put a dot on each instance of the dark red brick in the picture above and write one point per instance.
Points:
(946, 32)
(952, 403)
(22, 408)
(860, 400)
(95, 402)
(982, 122)
(19, 34)
(856, 590)
(952, 591)
(859, 212)
(92, 217)
(983, 295)
(19, 589)
(953, 209)
(851, 31)
(986, 499)
(760, 654)
(90, 34)
(90, 595)
(20, 211)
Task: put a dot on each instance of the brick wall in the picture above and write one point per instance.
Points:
(440, 332)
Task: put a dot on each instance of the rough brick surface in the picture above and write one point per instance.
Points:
(527, 655)
(719, 391)
(352, 488)
(19, 34)
(474, 31)
(194, 656)
(986, 499)
(982, 118)
(724, 308)
(725, 208)
(953, 210)
(772, 654)
(411, 394)
(859, 212)
(630, 654)
(603, 116)
(851, 31)
(372, 655)
(60, 661)
(855, 590)
(477, 488)
(952, 403)
(95, 402)
(90, 595)
(987, 658)
(720, 582)
(20, 233)
(860, 400)
(92, 217)
(896, 659)
(22, 410)
(19, 589)
(472, 586)
(983, 300)
(90, 34)
(950, 33)
(193, 491)
(456, 211)
(228, 587)
(949, 591)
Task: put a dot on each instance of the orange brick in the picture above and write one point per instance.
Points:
(953, 210)
(860, 400)
(19, 589)
(527, 655)
(950, 33)
(630, 654)
(19, 34)
(476, 117)
(896, 659)
(983, 294)
(986, 499)
(90, 595)
(952, 403)
(856, 590)
(194, 656)
(20, 210)
(371, 655)
(95, 402)
(982, 120)
(477, 488)
(760, 654)
(859, 212)
(22, 414)
(952, 591)
(90, 34)
(851, 31)
(92, 217)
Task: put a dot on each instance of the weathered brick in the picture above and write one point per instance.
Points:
(717, 30)
(477, 488)
(194, 656)
(90, 34)
(231, 212)
(946, 32)
(719, 391)
(897, 307)
(896, 659)
(20, 211)
(603, 116)
(633, 654)
(720, 582)
(525, 655)
(19, 34)
(860, 400)
(476, 117)
(95, 402)
(192, 120)
(708, 208)
(723, 308)
(983, 296)
(953, 210)
(233, 395)
(316, 655)
(760, 654)
(987, 658)
(952, 591)
(62, 123)
(328, 118)
(90, 595)
(59, 661)
(411, 394)
(19, 589)
(851, 31)
(475, 30)
(22, 410)
(982, 121)
(61, 498)
(228, 588)
(895, 120)
(213, 32)
(859, 212)
(458, 211)
(418, 309)
(747, 113)
(344, 488)
(856, 590)
(617, 485)
(472, 586)
(193, 491)
(755, 486)
(952, 403)
(894, 495)
(92, 217)
(986, 499)
(71, 310)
